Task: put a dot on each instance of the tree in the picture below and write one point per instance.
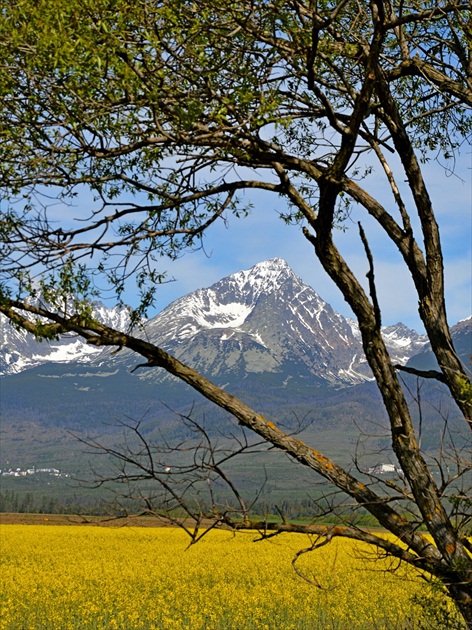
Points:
(163, 111)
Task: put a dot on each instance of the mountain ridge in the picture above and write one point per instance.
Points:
(20, 351)
(261, 320)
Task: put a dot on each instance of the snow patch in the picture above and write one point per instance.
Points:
(231, 315)
(70, 352)
(258, 338)
(401, 342)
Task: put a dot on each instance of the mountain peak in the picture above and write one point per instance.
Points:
(271, 270)
(272, 265)
(229, 302)
(268, 276)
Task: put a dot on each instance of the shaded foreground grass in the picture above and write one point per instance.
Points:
(73, 577)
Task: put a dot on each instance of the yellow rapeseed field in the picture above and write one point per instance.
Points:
(76, 577)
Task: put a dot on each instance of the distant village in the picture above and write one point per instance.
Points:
(18, 472)
(381, 469)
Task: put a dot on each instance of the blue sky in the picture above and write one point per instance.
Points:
(242, 243)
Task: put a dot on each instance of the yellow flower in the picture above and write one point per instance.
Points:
(84, 578)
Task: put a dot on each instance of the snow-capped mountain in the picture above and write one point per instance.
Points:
(264, 320)
(20, 351)
(402, 342)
